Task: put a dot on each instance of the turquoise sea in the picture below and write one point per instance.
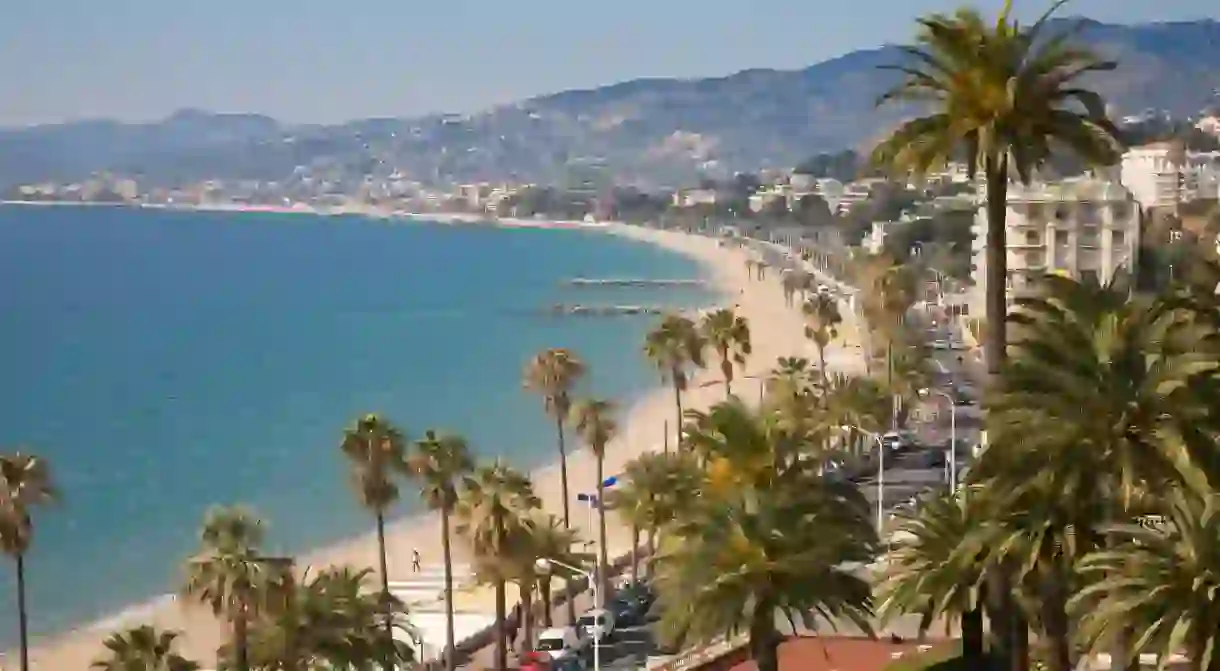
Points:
(165, 361)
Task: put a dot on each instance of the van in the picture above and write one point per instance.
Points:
(558, 642)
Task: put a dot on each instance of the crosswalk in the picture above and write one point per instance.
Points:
(424, 590)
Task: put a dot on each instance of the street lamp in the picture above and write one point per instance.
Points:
(544, 565)
(847, 428)
(596, 504)
(952, 479)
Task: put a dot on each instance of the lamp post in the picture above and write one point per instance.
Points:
(544, 565)
(596, 504)
(880, 471)
(952, 461)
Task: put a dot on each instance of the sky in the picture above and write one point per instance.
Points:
(321, 61)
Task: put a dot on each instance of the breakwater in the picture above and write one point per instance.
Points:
(632, 282)
(560, 309)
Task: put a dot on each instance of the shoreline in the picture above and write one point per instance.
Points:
(643, 420)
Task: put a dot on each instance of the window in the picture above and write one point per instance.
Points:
(1088, 277)
(1062, 238)
(1031, 238)
(1117, 238)
(1119, 211)
(1061, 213)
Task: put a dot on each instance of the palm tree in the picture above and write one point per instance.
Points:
(935, 568)
(655, 489)
(1003, 96)
(1161, 582)
(492, 503)
(377, 452)
(331, 621)
(143, 648)
(25, 483)
(594, 421)
(548, 538)
(439, 462)
(553, 374)
(822, 320)
(228, 573)
(674, 347)
(742, 556)
(729, 336)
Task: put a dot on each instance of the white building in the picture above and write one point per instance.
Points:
(1083, 228)
(1151, 174)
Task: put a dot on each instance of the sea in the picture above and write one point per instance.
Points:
(165, 361)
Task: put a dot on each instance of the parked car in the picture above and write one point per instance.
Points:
(897, 441)
(559, 642)
(597, 623)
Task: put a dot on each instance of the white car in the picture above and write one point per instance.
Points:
(559, 642)
(940, 344)
(597, 623)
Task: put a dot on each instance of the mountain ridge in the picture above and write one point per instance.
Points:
(653, 130)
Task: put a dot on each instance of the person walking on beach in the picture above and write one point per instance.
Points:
(415, 560)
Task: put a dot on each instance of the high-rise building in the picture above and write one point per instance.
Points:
(1086, 228)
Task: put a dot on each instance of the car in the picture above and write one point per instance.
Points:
(940, 344)
(957, 345)
(559, 642)
(896, 441)
(597, 623)
(628, 610)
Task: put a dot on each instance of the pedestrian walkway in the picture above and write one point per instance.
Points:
(424, 593)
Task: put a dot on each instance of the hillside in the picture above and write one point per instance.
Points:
(647, 130)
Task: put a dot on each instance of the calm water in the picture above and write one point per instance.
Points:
(164, 361)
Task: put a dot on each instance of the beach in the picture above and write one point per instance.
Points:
(777, 330)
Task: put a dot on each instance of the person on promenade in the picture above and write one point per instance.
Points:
(415, 560)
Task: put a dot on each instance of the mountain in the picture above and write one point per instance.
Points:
(646, 130)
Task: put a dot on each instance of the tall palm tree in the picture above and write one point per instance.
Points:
(655, 490)
(744, 555)
(675, 346)
(552, 374)
(1002, 95)
(143, 648)
(594, 421)
(537, 535)
(547, 538)
(377, 452)
(822, 319)
(25, 483)
(1162, 582)
(439, 462)
(935, 568)
(492, 504)
(228, 574)
(729, 335)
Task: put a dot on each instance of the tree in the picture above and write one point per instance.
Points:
(822, 320)
(377, 452)
(783, 543)
(547, 538)
(25, 483)
(1161, 582)
(552, 374)
(594, 421)
(228, 573)
(330, 621)
(1003, 95)
(656, 488)
(675, 346)
(492, 503)
(729, 336)
(143, 648)
(537, 536)
(935, 569)
(439, 462)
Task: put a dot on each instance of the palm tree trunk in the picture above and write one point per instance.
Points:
(678, 405)
(603, 564)
(544, 593)
(652, 549)
(567, 519)
(1055, 622)
(447, 552)
(501, 629)
(22, 615)
(387, 663)
(241, 638)
(764, 639)
(726, 367)
(972, 637)
(822, 363)
(635, 553)
(527, 614)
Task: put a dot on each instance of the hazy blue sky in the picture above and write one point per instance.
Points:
(324, 61)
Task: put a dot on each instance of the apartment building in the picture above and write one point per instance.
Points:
(1084, 227)
(1153, 176)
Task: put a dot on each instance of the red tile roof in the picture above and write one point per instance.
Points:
(830, 653)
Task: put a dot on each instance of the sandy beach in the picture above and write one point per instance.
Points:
(777, 330)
